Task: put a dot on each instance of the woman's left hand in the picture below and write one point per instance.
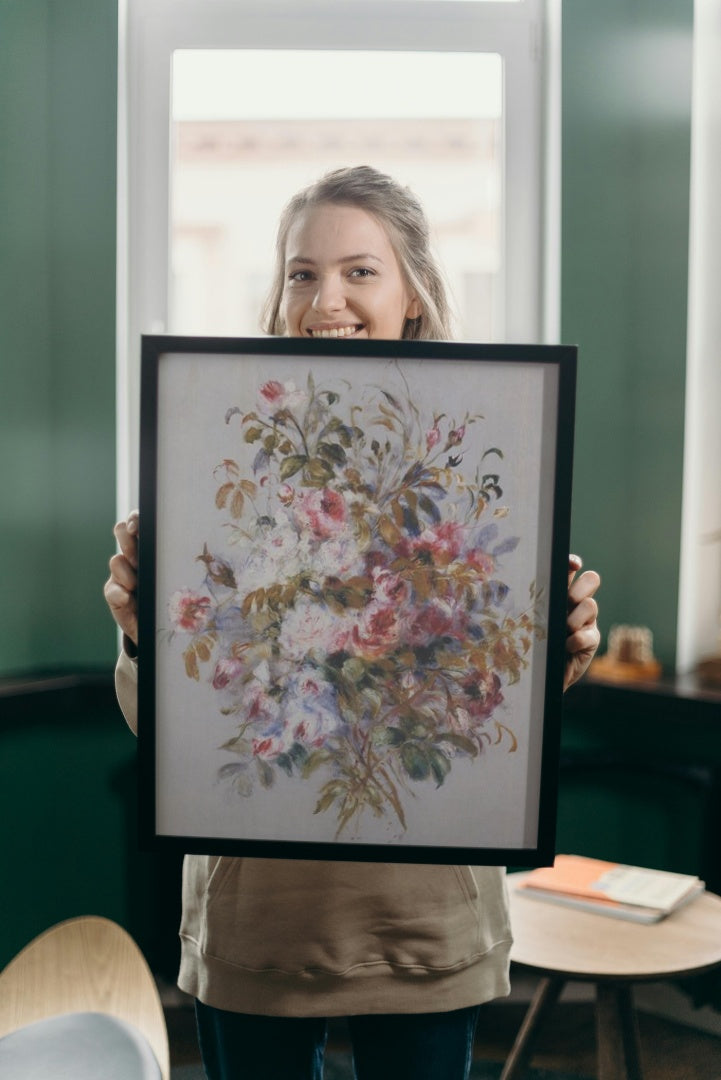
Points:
(582, 633)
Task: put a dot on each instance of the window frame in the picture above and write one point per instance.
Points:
(526, 34)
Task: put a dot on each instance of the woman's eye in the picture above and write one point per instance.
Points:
(300, 276)
(362, 272)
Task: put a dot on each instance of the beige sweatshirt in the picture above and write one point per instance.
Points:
(284, 937)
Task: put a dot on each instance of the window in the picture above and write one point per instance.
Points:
(236, 159)
(227, 107)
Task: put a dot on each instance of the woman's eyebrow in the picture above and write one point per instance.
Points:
(361, 257)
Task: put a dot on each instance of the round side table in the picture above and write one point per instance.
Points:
(563, 944)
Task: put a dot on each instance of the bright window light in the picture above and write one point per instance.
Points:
(251, 127)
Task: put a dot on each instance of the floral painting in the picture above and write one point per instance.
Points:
(355, 614)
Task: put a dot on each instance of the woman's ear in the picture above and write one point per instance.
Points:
(415, 309)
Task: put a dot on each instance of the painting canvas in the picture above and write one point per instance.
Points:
(353, 567)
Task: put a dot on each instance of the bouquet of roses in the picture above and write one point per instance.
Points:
(356, 624)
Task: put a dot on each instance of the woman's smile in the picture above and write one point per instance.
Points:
(335, 331)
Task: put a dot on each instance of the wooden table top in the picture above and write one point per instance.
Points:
(582, 945)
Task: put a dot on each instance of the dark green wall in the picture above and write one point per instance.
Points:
(626, 146)
(58, 72)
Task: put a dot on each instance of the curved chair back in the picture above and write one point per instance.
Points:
(87, 964)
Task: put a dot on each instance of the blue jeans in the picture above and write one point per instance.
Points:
(414, 1046)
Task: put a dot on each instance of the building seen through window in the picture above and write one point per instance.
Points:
(231, 174)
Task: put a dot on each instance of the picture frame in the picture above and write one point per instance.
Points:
(353, 573)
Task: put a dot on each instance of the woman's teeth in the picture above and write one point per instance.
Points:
(337, 331)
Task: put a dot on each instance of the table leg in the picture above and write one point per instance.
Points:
(617, 1033)
(545, 997)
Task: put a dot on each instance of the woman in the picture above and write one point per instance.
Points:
(271, 948)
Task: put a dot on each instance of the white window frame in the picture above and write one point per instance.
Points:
(526, 34)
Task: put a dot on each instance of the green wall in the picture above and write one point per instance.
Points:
(626, 146)
(58, 71)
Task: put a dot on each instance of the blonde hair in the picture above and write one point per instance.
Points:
(403, 217)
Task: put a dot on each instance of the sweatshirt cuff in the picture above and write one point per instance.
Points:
(130, 649)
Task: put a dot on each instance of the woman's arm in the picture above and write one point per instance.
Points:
(121, 596)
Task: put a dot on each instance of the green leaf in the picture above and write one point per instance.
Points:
(353, 669)
(332, 452)
(415, 761)
(461, 741)
(291, 465)
(265, 773)
(285, 762)
(392, 736)
(314, 760)
(298, 754)
(330, 793)
(252, 434)
(316, 471)
(429, 508)
(493, 450)
(440, 766)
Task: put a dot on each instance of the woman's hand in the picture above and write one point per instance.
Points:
(582, 633)
(121, 587)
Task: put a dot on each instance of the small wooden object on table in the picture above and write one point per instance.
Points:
(629, 658)
(562, 944)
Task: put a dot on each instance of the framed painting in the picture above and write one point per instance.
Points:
(352, 597)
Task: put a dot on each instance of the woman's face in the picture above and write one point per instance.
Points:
(342, 277)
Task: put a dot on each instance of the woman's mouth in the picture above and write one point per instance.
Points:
(335, 331)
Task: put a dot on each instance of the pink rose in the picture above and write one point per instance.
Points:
(376, 632)
(482, 695)
(274, 396)
(389, 589)
(227, 670)
(189, 610)
(443, 542)
(323, 512)
(433, 621)
(482, 562)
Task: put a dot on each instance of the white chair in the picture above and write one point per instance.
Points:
(80, 1002)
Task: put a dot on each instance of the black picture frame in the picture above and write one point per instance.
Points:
(353, 568)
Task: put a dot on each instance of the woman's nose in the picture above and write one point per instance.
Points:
(329, 296)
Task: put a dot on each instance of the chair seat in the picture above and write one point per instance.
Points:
(78, 1046)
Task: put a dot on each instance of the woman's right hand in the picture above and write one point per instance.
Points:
(121, 587)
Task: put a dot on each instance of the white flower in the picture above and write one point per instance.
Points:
(310, 629)
(274, 396)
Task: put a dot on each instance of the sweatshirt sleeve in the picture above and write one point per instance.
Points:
(126, 688)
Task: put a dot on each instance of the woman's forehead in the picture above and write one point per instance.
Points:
(326, 230)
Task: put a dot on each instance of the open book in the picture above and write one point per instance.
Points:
(607, 888)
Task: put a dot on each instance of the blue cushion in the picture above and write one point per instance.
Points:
(78, 1046)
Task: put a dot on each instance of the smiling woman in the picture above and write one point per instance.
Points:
(336, 293)
(353, 259)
